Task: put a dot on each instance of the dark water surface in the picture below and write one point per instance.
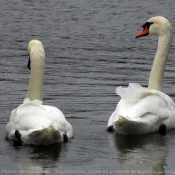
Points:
(90, 49)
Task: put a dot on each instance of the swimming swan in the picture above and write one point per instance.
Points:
(32, 122)
(144, 110)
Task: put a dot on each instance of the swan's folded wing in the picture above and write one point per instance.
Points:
(137, 101)
(33, 115)
(133, 93)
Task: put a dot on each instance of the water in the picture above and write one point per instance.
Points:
(90, 50)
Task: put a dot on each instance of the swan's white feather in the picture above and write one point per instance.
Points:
(33, 116)
(142, 110)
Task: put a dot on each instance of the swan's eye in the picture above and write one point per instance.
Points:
(148, 24)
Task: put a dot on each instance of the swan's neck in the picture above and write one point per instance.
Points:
(157, 71)
(35, 89)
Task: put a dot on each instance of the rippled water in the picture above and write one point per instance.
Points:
(90, 50)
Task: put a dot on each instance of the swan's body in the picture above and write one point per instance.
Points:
(32, 122)
(143, 110)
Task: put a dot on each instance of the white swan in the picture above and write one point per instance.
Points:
(32, 122)
(143, 110)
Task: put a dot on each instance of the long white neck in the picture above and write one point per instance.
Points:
(35, 89)
(157, 71)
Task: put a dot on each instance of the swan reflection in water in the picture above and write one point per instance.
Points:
(33, 159)
(145, 153)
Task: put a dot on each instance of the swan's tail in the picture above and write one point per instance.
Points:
(47, 136)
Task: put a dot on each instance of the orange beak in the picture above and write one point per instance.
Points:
(143, 33)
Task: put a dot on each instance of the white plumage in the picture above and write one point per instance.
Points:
(142, 110)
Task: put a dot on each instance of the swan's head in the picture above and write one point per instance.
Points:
(36, 50)
(157, 25)
(32, 44)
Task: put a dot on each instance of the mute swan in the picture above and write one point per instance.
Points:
(32, 122)
(144, 110)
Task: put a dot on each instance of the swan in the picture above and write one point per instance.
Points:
(143, 110)
(32, 122)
